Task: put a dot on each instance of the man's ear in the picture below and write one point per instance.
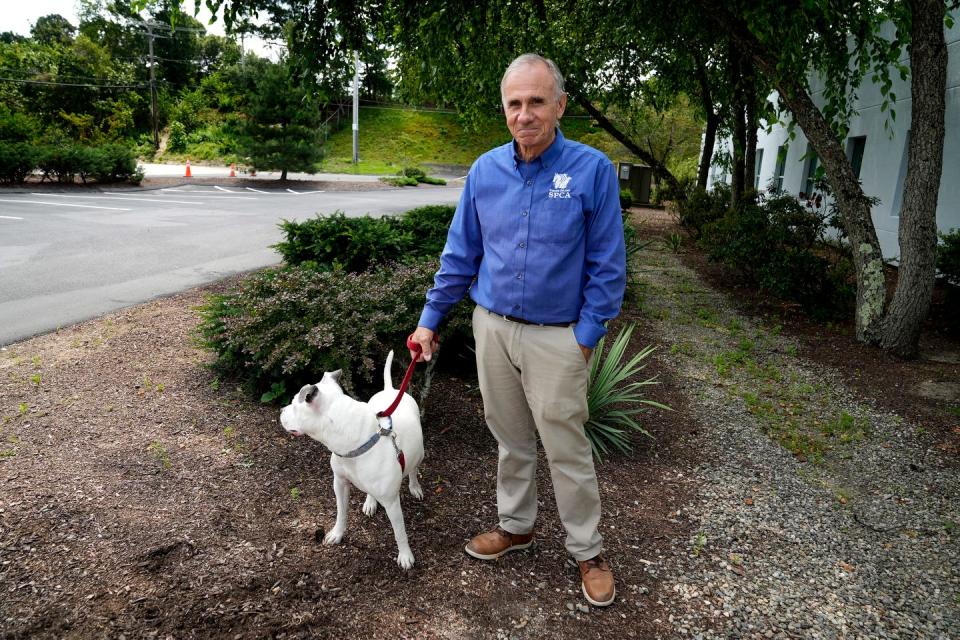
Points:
(563, 105)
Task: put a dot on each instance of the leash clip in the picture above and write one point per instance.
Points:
(388, 429)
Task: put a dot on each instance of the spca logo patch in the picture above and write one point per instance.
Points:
(560, 183)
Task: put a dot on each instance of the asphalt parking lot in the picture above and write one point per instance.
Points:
(67, 256)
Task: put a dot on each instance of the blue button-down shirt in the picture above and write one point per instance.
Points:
(540, 240)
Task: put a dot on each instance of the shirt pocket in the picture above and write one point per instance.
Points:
(561, 220)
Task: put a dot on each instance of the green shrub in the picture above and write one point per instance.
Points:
(626, 198)
(282, 328)
(62, 161)
(17, 161)
(400, 181)
(773, 244)
(354, 244)
(427, 227)
(178, 137)
(948, 257)
(701, 208)
(336, 241)
(413, 172)
(615, 397)
(430, 180)
(115, 163)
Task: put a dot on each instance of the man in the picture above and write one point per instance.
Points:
(537, 239)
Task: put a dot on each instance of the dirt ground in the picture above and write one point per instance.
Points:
(141, 497)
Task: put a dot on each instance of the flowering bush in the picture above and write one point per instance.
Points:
(282, 328)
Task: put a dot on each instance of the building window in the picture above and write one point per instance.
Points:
(855, 147)
(756, 169)
(811, 182)
(780, 168)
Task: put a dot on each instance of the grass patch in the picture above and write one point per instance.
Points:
(394, 138)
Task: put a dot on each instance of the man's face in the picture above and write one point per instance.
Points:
(532, 109)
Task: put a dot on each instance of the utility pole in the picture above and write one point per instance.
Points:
(356, 107)
(153, 86)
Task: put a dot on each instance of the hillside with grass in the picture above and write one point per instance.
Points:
(392, 138)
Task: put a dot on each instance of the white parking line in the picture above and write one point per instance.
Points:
(303, 193)
(222, 189)
(256, 190)
(63, 204)
(117, 197)
(10, 218)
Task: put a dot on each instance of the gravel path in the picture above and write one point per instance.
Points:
(816, 515)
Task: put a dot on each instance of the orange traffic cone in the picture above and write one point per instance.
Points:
(188, 174)
(233, 172)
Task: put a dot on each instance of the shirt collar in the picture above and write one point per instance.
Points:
(549, 157)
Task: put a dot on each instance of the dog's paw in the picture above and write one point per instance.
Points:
(333, 537)
(369, 505)
(416, 491)
(405, 560)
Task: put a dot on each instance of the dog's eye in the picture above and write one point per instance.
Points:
(311, 394)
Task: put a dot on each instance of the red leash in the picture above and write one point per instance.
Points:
(413, 346)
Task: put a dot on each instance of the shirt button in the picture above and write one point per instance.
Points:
(524, 213)
(516, 306)
(519, 276)
(523, 245)
(529, 183)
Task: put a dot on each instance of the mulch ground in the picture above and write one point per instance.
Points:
(142, 498)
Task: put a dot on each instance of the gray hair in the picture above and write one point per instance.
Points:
(529, 59)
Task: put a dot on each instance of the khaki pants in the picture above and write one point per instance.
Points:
(534, 380)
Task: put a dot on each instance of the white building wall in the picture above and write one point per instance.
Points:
(885, 151)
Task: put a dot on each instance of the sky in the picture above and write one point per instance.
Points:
(18, 16)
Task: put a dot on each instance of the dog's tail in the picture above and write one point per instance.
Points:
(387, 380)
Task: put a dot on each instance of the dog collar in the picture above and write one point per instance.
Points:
(381, 433)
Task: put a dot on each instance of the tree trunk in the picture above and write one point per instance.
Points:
(918, 217)
(854, 205)
(709, 140)
(283, 175)
(658, 168)
(713, 120)
(750, 153)
(738, 115)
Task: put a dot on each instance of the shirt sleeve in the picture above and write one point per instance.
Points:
(606, 261)
(459, 261)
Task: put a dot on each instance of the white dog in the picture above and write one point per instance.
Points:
(363, 454)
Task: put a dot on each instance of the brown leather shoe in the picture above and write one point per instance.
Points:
(597, 581)
(493, 544)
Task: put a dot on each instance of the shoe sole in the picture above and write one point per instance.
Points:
(494, 556)
(583, 588)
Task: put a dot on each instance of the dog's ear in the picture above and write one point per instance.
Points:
(307, 393)
(332, 377)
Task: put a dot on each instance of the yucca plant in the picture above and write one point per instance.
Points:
(615, 401)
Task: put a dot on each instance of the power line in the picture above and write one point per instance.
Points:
(72, 84)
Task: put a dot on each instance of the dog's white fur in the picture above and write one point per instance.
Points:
(342, 424)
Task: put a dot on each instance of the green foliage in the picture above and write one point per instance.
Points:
(178, 137)
(281, 126)
(773, 244)
(626, 198)
(400, 181)
(702, 207)
(948, 257)
(17, 161)
(615, 398)
(290, 325)
(432, 180)
(414, 172)
(342, 302)
(354, 244)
